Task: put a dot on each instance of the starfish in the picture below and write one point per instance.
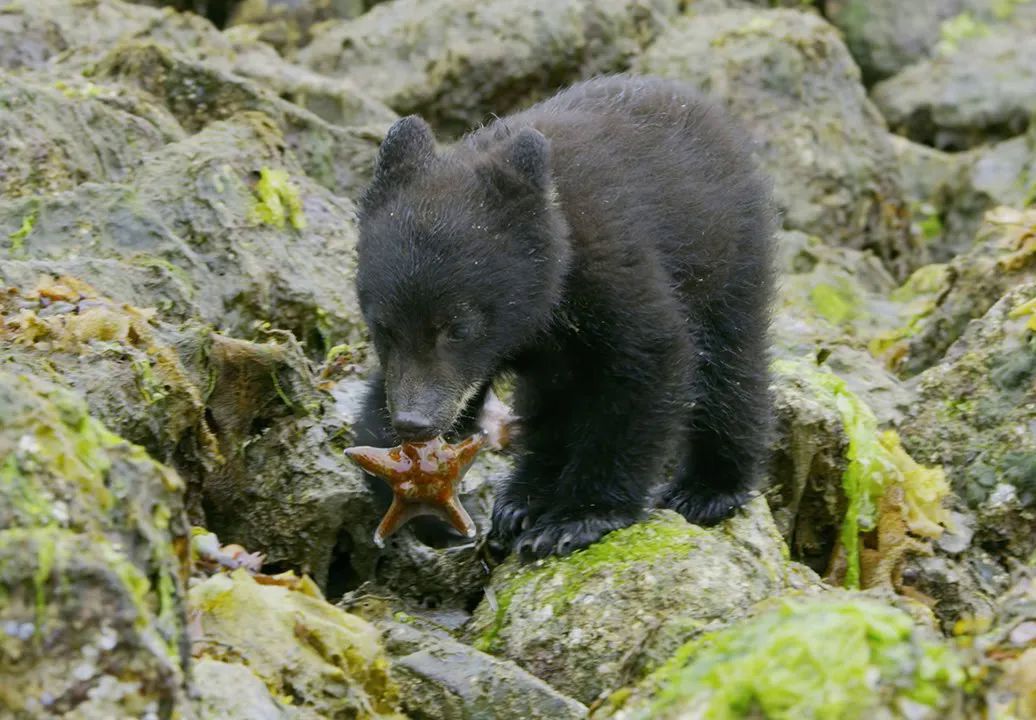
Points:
(424, 478)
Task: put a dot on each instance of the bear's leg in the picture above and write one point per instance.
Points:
(729, 435)
(592, 451)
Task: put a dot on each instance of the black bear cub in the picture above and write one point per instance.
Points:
(611, 249)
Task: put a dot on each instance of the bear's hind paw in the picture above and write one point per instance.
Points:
(704, 510)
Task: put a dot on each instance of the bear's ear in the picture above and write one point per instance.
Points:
(529, 155)
(408, 146)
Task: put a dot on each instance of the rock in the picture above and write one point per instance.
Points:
(839, 655)
(787, 77)
(1007, 641)
(847, 498)
(199, 93)
(121, 359)
(976, 415)
(92, 562)
(1003, 256)
(232, 692)
(286, 24)
(58, 135)
(455, 61)
(590, 621)
(336, 99)
(231, 215)
(884, 37)
(442, 679)
(949, 102)
(32, 34)
(328, 662)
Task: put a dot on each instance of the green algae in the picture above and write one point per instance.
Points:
(664, 535)
(19, 236)
(836, 304)
(826, 660)
(278, 200)
(876, 461)
(957, 29)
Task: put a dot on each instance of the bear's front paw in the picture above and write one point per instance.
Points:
(510, 517)
(703, 509)
(560, 536)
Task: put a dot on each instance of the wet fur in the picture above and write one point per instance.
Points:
(621, 253)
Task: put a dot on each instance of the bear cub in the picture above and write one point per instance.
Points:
(610, 248)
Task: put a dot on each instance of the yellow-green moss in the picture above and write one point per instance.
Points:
(665, 534)
(833, 659)
(836, 304)
(958, 28)
(278, 200)
(18, 237)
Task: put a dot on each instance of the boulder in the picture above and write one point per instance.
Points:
(227, 211)
(199, 93)
(57, 135)
(442, 679)
(1003, 256)
(789, 80)
(839, 656)
(589, 622)
(980, 90)
(456, 61)
(318, 659)
(33, 34)
(975, 415)
(92, 564)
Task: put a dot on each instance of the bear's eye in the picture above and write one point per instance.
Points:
(457, 331)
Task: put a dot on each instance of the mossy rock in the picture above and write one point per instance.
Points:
(199, 92)
(1003, 256)
(588, 622)
(787, 77)
(840, 656)
(974, 415)
(307, 652)
(981, 89)
(454, 61)
(196, 208)
(59, 134)
(92, 562)
(34, 33)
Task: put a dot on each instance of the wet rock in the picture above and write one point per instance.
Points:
(58, 135)
(590, 622)
(948, 101)
(787, 77)
(231, 215)
(121, 359)
(1004, 255)
(336, 99)
(840, 655)
(32, 34)
(976, 415)
(330, 663)
(847, 498)
(885, 37)
(286, 24)
(92, 563)
(454, 61)
(199, 93)
(442, 679)
(232, 692)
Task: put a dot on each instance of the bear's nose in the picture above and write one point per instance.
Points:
(413, 426)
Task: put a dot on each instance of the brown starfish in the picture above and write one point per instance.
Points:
(424, 478)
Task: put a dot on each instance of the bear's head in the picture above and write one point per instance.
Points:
(462, 258)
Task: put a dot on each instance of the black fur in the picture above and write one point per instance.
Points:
(611, 246)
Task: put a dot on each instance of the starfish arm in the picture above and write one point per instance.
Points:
(375, 461)
(458, 517)
(393, 520)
